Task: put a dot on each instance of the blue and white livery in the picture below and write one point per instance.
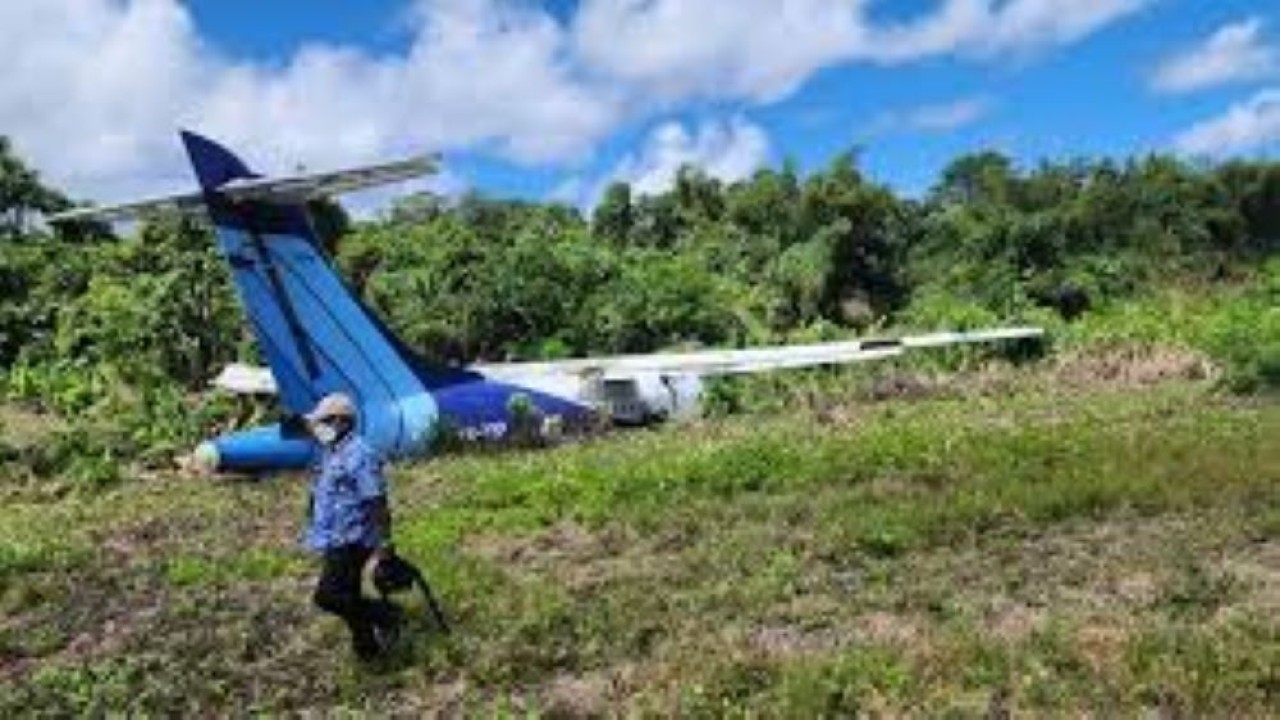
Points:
(318, 337)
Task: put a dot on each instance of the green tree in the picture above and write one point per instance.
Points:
(158, 305)
(868, 230)
(1253, 190)
(22, 195)
(613, 217)
(330, 222)
(981, 178)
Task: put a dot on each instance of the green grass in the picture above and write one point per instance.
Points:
(1049, 551)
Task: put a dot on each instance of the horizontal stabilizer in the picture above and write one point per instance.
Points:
(311, 186)
(287, 190)
(189, 203)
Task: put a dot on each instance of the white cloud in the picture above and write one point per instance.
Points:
(763, 49)
(1234, 53)
(757, 49)
(94, 90)
(1246, 126)
(724, 149)
(90, 88)
(1025, 25)
(94, 97)
(987, 29)
(940, 117)
(949, 116)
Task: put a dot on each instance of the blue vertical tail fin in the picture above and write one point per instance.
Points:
(313, 332)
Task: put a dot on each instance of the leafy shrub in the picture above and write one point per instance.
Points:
(110, 423)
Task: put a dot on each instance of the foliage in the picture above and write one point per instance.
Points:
(22, 195)
(113, 336)
(1098, 230)
(37, 277)
(1239, 327)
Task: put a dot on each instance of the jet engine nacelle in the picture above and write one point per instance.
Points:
(652, 397)
(396, 429)
(272, 447)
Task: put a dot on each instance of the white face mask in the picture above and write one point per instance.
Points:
(325, 433)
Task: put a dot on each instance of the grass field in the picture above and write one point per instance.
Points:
(1023, 546)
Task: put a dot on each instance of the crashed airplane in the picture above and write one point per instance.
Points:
(318, 337)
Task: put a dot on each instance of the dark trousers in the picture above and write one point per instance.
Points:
(338, 592)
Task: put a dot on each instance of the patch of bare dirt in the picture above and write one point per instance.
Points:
(24, 427)
(1138, 588)
(1102, 645)
(582, 696)
(788, 640)
(580, 558)
(115, 632)
(1013, 622)
(129, 541)
(1132, 365)
(565, 541)
(904, 386)
(885, 628)
(92, 617)
(1101, 576)
(1258, 571)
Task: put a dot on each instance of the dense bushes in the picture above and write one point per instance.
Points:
(110, 336)
(706, 263)
(776, 255)
(1237, 326)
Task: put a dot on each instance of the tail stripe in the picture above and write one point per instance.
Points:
(355, 354)
(288, 379)
(326, 322)
(297, 393)
(300, 339)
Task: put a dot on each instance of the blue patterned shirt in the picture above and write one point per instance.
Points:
(349, 477)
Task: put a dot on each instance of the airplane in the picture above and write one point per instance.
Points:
(318, 337)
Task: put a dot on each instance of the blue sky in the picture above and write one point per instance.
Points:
(555, 99)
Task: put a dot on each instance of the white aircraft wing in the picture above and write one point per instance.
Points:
(245, 379)
(702, 363)
(288, 189)
(705, 363)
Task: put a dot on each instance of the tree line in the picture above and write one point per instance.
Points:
(777, 256)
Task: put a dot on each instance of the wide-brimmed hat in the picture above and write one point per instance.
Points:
(333, 405)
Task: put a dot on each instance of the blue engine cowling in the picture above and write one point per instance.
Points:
(262, 449)
(397, 429)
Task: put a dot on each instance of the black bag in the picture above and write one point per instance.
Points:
(394, 574)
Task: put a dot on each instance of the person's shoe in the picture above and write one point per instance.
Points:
(367, 649)
(387, 632)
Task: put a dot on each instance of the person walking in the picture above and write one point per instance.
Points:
(349, 524)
